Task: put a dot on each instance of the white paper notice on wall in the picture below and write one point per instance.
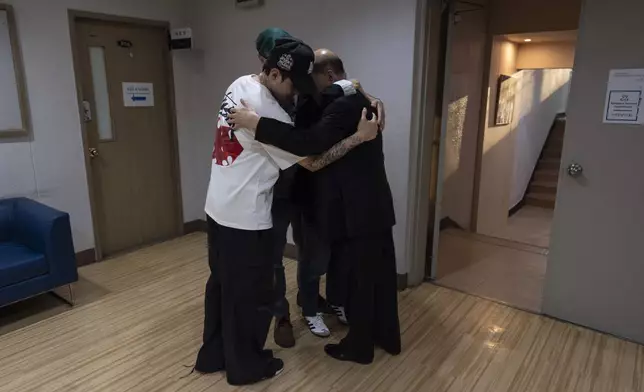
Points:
(624, 97)
(138, 94)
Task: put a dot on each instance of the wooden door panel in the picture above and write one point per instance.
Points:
(596, 266)
(134, 179)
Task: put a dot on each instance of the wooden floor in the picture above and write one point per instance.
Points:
(494, 268)
(145, 325)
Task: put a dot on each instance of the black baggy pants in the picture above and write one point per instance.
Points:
(282, 212)
(373, 295)
(238, 304)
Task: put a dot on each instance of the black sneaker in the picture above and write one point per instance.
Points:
(339, 352)
(275, 368)
(210, 359)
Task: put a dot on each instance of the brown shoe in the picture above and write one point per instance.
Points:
(283, 333)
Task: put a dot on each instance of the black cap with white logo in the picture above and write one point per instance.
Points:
(295, 59)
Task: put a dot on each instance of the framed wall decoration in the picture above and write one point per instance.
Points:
(506, 92)
(14, 111)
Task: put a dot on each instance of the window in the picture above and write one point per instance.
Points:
(103, 117)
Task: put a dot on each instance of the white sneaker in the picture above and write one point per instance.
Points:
(317, 326)
(342, 315)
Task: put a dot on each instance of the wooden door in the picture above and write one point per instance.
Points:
(596, 264)
(129, 124)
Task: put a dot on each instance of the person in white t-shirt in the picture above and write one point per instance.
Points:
(238, 303)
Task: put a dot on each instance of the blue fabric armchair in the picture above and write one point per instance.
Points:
(36, 250)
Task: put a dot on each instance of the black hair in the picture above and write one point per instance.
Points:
(333, 63)
(267, 70)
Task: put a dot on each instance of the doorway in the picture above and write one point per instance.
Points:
(503, 128)
(124, 78)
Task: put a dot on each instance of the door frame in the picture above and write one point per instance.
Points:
(74, 16)
(444, 77)
(424, 140)
(480, 135)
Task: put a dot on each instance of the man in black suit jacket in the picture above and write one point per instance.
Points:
(352, 208)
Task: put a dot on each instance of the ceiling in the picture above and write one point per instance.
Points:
(546, 36)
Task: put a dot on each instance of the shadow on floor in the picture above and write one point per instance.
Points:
(44, 306)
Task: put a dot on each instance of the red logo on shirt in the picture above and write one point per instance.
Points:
(227, 148)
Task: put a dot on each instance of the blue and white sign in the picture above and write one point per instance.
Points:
(138, 94)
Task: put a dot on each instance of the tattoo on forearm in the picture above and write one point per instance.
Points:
(333, 154)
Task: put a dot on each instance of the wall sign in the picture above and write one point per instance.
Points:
(138, 94)
(181, 38)
(624, 97)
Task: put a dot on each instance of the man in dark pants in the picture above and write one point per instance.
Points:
(354, 211)
(282, 212)
(313, 254)
(316, 254)
(285, 212)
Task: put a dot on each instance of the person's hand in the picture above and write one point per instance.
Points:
(375, 102)
(367, 129)
(243, 117)
(380, 108)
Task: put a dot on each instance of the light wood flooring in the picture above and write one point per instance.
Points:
(143, 324)
(505, 271)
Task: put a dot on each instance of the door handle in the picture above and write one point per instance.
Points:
(575, 170)
(93, 152)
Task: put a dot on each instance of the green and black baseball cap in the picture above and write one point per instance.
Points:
(265, 41)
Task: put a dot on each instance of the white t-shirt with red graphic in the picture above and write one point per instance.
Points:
(244, 171)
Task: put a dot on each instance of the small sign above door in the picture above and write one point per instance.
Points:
(181, 38)
(138, 94)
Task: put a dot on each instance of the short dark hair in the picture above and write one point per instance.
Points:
(334, 63)
(267, 70)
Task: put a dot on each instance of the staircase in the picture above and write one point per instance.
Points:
(542, 191)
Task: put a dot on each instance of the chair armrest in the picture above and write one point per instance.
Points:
(47, 231)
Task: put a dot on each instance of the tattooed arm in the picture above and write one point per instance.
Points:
(336, 152)
(367, 130)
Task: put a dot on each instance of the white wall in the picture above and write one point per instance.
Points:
(51, 168)
(511, 152)
(541, 95)
(374, 38)
(496, 162)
